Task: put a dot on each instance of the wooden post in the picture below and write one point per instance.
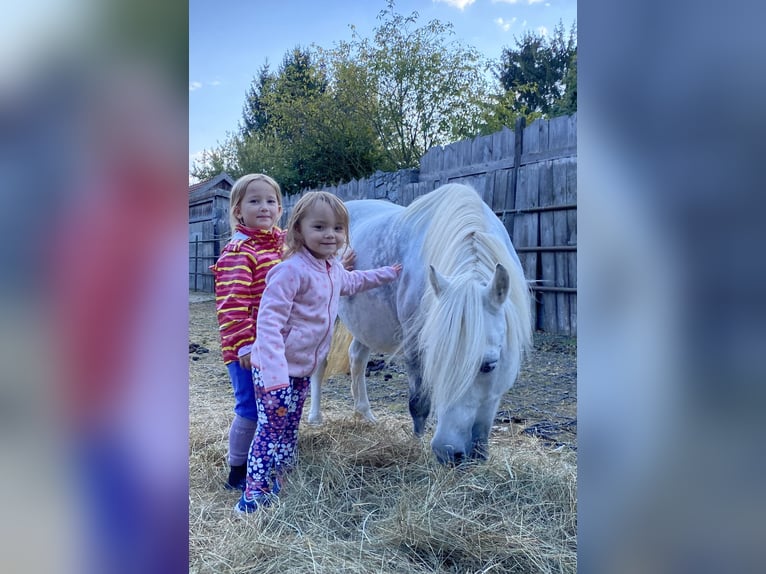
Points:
(518, 140)
(196, 261)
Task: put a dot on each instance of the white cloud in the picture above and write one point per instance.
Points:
(198, 85)
(534, 1)
(542, 31)
(505, 24)
(505, 1)
(459, 4)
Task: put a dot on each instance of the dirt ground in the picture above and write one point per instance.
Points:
(542, 403)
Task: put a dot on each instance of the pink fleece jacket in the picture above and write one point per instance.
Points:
(298, 311)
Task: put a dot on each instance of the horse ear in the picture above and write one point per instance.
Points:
(438, 281)
(497, 291)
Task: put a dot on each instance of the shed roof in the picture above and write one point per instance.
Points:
(210, 187)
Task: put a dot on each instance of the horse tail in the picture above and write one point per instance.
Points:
(337, 359)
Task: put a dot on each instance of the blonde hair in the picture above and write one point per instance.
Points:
(238, 194)
(293, 239)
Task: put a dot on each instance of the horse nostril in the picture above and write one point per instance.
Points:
(457, 458)
(487, 367)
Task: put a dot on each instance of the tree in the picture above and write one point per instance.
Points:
(254, 113)
(567, 103)
(422, 88)
(344, 142)
(540, 75)
(221, 158)
(302, 125)
(263, 153)
(501, 111)
(294, 92)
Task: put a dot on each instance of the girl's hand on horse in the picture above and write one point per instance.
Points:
(244, 362)
(398, 267)
(348, 259)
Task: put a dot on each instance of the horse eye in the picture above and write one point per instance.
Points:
(488, 367)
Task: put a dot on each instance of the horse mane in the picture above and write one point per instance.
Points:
(462, 244)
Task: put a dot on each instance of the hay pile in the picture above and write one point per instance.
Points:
(370, 498)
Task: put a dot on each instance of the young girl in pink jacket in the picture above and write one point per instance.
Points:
(293, 334)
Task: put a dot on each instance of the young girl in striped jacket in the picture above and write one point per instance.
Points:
(240, 273)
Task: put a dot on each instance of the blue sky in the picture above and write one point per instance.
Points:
(229, 40)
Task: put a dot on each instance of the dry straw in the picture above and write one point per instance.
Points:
(370, 498)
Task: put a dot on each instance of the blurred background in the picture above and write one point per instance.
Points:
(93, 116)
(93, 298)
(671, 280)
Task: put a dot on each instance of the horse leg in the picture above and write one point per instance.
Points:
(420, 404)
(315, 414)
(358, 355)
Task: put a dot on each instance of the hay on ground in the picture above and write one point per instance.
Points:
(371, 498)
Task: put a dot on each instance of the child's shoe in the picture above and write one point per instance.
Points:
(247, 506)
(237, 477)
(276, 485)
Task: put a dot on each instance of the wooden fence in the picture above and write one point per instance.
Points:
(202, 254)
(528, 177)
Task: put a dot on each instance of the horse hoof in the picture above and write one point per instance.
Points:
(366, 415)
(316, 421)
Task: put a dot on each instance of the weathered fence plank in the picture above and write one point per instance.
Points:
(561, 232)
(526, 226)
(547, 258)
(571, 197)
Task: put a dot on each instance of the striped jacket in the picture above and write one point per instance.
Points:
(240, 278)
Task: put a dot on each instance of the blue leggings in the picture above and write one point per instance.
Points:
(244, 394)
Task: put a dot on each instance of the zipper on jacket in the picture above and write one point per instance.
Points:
(329, 323)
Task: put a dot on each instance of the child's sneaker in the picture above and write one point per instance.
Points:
(276, 485)
(237, 477)
(245, 506)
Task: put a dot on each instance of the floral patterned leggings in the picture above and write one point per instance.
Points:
(274, 447)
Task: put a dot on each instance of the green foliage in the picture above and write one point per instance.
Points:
(303, 126)
(567, 103)
(264, 153)
(221, 158)
(255, 114)
(427, 89)
(502, 110)
(540, 75)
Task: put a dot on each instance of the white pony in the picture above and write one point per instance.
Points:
(459, 313)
